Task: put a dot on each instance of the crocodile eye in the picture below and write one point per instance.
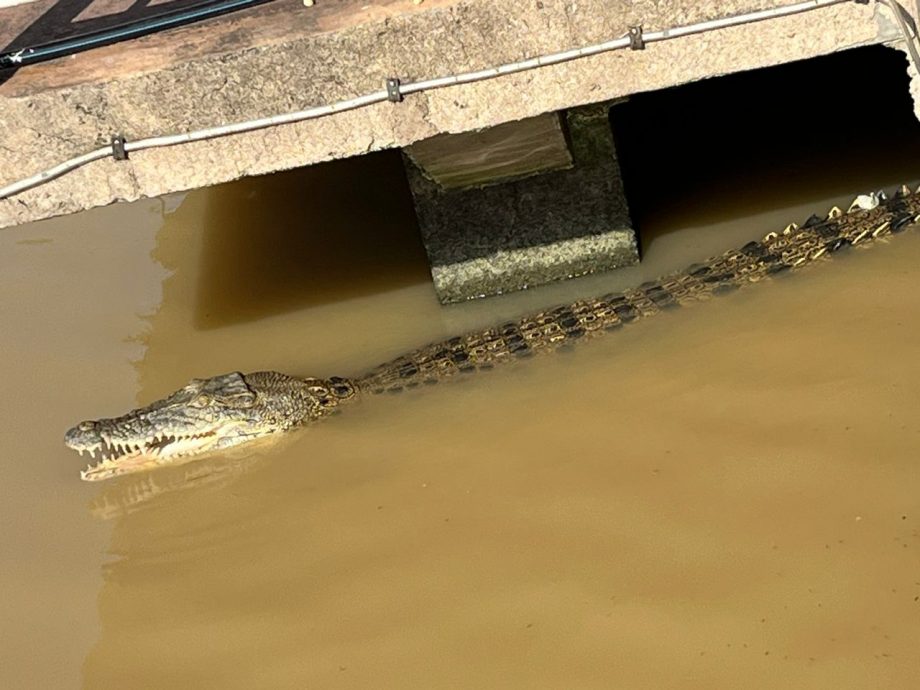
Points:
(201, 400)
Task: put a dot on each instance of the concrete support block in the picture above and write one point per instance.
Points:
(504, 152)
(487, 240)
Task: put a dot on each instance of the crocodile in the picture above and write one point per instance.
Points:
(221, 412)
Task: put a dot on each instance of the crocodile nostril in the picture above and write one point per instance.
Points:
(87, 426)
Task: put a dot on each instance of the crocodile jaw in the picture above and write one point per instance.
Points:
(125, 457)
(207, 415)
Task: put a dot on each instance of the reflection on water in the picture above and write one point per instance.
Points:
(723, 496)
(71, 290)
(265, 249)
(117, 499)
(744, 508)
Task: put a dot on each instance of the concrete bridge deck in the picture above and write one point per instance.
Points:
(283, 56)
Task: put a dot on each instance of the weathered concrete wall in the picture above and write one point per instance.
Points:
(48, 114)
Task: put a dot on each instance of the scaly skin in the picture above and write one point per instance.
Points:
(206, 415)
(217, 413)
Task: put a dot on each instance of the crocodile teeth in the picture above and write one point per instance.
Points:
(866, 202)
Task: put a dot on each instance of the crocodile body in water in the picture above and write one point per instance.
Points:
(214, 414)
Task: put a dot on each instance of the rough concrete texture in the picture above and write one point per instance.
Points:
(915, 89)
(913, 71)
(549, 226)
(889, 27)
(43, 122)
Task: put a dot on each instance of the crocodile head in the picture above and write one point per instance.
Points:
(206, 415)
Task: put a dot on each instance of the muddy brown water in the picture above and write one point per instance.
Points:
(722, 496)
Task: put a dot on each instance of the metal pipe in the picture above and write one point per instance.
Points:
(412, 87)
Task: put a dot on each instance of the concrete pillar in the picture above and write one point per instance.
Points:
(521, 204)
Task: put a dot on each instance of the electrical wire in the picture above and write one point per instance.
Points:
(636, 39)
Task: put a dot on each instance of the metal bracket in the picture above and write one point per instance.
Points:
(118, 148)
(636, 40)
(394, 95)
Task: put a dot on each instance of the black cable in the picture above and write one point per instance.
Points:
(32, 54)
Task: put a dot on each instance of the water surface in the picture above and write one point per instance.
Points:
(722, 496)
